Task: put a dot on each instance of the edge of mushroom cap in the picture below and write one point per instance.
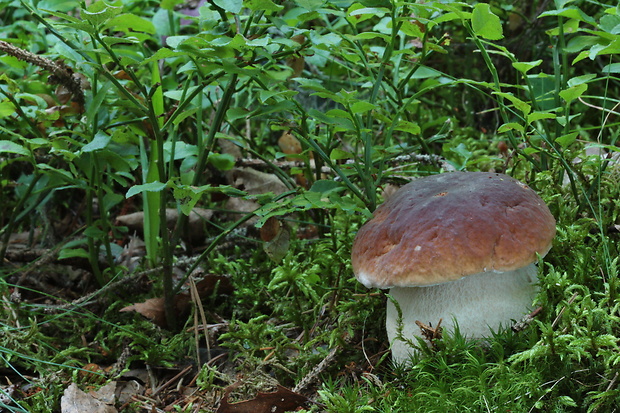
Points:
(444, 227)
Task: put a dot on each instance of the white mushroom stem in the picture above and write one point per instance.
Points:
(478, 303)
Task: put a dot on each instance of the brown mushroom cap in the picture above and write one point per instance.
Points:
(444, 227)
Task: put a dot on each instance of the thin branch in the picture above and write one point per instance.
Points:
(60, 73)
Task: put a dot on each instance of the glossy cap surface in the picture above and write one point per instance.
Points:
(447, 226)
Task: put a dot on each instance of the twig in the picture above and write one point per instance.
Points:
(60, 72)
(526, 321)
(559, 316)
(313, 374)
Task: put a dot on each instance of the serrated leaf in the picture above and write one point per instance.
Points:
(485, 23)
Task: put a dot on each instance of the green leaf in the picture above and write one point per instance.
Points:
(567, 140)
(154, 186)
(372, 36)
(231, 6)
(525, 67)
(327, 186)
(355, 17)
(579, 43)
(58, 5)
(510, 126)
(162, 53)
(73, 253)
(409, 127)
(222, 161)
(372, 11)
(485, 23)
(573, 93)
(411, 29)
(571, 12)
(263, 5)
(131, 23)
(518, 103)
(12, 147)
(170, 4)
(100, 141)
(611, 68)
(6, 109)
(337, 154)
(569, 26)
(534, 116)
(610, 24)
(99, 13)
(362, 107)
(578, 80)
(310, 5)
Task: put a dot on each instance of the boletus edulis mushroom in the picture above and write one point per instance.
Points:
(460, 247)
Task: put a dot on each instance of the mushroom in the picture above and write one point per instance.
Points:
(460, 247)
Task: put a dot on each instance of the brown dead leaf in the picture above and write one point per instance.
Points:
(75, 400)
(297, 62)
(282, 400)
(276, 239)
(270, 229)
(197, 218)
(255, 182)
(154, 308)
(289, 145)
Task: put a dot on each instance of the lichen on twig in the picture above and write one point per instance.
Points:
(60, 73)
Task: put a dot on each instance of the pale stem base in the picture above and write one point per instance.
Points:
(478, 302)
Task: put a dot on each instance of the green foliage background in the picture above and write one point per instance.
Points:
(388, 90)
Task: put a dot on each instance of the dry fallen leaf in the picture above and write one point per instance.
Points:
(282, 400)
(289, 145)
(196, 220)
(253, 182)
(75, 400)
(276, 239)
(154, 309)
